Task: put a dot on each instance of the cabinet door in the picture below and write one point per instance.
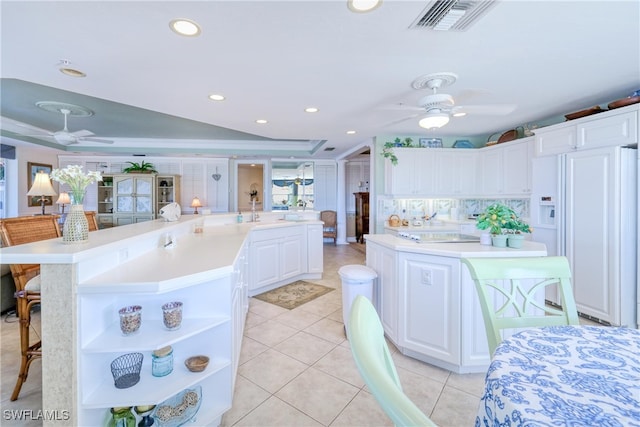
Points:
(517, 170)
(143, 193)
(401, 176)
(621, 129)
(455, 172)
(383, 261)
(315, 249)
(293, 253)
(431, 305)
(265, 261)
(556, 141)
(124, 195)
(491, 161)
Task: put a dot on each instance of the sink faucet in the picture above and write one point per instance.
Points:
(254, 214)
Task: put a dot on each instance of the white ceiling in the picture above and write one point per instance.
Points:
(148, 86)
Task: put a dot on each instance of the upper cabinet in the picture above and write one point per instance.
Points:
(613, 128)
(413, 175)
(456, 172)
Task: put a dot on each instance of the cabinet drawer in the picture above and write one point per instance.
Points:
(107, 220)
(621, 129)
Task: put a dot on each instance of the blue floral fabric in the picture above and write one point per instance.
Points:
(564, 376)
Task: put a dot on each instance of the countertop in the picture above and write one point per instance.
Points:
(455, 250)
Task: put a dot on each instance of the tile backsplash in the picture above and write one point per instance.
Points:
(464, 208)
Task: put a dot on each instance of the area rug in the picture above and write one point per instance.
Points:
(294, 294)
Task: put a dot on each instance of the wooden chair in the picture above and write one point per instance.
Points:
(92, 219)
(330, 227)
(374, 362)
(17, 231)
(507, 288)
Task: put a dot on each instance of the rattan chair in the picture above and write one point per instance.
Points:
(92, 220)
(17, 231)
(329, 229)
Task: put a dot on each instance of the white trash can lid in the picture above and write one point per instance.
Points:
(357, 272)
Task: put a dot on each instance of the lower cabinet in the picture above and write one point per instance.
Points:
(277, 255)
(206, 329)
(315, 242)
(385, 296)
(430, 305)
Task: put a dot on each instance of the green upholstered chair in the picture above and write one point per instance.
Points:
(376, 367)
(507, 289)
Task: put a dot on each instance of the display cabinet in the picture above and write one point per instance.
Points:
(167, 190)
(133, 198)
(105, 202)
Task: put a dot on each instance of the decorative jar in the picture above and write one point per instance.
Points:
(172, 315)
(162, 361)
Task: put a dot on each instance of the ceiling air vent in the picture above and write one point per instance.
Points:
(452, 15)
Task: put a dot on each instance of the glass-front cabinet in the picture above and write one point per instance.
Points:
(133, 198)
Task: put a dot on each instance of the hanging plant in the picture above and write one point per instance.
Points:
(387, 150)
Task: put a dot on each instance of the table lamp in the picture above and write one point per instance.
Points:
(195, 203)
(63, 199)
(42, 187)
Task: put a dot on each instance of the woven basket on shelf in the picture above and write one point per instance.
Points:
(394, 221)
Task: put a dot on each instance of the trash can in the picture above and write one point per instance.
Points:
(356, 280)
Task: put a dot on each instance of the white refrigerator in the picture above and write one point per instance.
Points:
(590, 206)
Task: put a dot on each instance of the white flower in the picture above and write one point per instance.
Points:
(76, 180)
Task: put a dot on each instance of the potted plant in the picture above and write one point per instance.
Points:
(495, 219)
(515, 229)
(387, 150)
(143, 167)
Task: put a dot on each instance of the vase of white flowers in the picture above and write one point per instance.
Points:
(76, 226)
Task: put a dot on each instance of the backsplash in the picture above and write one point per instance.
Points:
(454, 209)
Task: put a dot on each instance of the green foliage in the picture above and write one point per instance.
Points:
(387, 151)
(143, 167)
(499, 219)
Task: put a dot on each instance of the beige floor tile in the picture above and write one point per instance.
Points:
(250, 349)
(318, 395)
(305, 347)
(455, 408)
(270, 333)
(297, 318)
(423, 391)
(339, 363)
(419, 367)
(253, 319)
(246, 397)
(469, 383)
(271, 370)
(362, 411)
(321, 307)
(265, 309)
(328, 329)
(276, 413)
(336, 315)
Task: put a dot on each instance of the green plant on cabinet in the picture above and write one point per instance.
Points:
(143, 167)
(387, 150)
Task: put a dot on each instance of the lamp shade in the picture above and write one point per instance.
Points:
(42, 186)
(195, 203)
(63, 199)
(432, 121)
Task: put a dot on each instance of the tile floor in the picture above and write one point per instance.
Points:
(295, 369)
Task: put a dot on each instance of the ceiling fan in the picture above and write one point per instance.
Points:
(437, 108)
(63, 136)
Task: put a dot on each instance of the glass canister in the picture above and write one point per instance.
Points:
(162, 361)
(122, 417)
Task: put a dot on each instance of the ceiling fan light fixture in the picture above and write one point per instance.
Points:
(185, 27)
(363, 6)
(433, 121)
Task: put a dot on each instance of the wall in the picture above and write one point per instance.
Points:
(25, 155)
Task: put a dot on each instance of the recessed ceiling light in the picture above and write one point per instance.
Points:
(72, 72)
(361, 6)
(311, 110)
(351, 132)
(185, 27)
(216, 97)
(261, 121)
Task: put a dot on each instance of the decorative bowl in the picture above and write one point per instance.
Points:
(197, 363)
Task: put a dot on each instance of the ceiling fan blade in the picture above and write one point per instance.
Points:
(404, 119)
(82, 133)
(103, 141)
(493, 109)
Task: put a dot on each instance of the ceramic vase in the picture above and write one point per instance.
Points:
(76, 226)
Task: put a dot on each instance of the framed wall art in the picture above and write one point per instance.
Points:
(32, 170)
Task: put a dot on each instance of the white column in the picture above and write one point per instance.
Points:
(342, 204)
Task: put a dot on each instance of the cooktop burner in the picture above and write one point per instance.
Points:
(440, 237)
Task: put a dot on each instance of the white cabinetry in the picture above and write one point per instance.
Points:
(315, 243)
(276, 255)
(612, 128)
(133, 198)
(206, 329)
(506, 169)
(325, 186)
(385, 296)
(456, 172)
(413, 175)
(430, 296)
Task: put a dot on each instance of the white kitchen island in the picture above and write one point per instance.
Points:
(427, 301)
(149, 264)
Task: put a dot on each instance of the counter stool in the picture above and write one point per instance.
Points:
(17, 231)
